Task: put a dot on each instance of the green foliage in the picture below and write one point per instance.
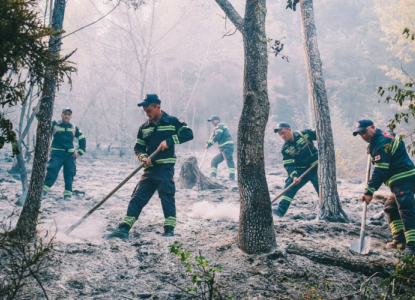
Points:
(401, 283)
(276, 47)
(202, 274)
(26, 57)
(404, 96)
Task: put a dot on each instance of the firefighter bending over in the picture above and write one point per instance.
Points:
(299, 154)
(394, 168)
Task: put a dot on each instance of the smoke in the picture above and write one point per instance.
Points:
(210, 211)
(91, 229)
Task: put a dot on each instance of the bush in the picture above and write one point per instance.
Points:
(202, 274)
(24, 262)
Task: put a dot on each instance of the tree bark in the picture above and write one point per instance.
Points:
(354, 263)
(26, 225)
(330, 205)
(23, 174)
(256, 232)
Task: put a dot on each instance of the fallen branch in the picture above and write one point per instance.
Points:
(353, 263)
(359, 292)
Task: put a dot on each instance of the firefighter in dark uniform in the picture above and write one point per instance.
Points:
(63, 153)
(394, 168)
(222, 136)
(162, 132)
(299, 154)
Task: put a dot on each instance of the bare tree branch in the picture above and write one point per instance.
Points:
(232, 14)
(94, 21)
(413, 81)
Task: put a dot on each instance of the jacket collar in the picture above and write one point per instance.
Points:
(164, 118)
(295, 138)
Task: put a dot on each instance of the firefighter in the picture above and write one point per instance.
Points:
(299, 154)
(160, 132)
(394, 168)
(63, 153)
(222, 136)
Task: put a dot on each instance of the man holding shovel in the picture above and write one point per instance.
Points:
(394, 168)
(161, 132)
(299, 154)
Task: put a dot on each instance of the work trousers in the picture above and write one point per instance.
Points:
(225, 154)
(400, 211)
(55, 163)
(289, 195)
(160, 178)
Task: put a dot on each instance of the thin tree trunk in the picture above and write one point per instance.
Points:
(28, 218)
(256, 231)
(330, 206)
(23, 174)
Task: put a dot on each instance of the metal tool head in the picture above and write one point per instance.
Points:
(359, 247)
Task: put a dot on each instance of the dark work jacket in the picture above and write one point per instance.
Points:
(392, 163)
(63, 137)
(150, 136)
(221, 136)
(297, 155)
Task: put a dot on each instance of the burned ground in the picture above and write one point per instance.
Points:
(95, 268)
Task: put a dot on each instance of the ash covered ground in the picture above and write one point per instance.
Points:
(96, 268)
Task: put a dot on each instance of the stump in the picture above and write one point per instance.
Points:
(190, 175)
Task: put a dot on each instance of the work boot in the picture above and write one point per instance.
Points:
(410, 251)
(67, 198)
(279, 212)
(168, 231)
(122, 232)
(396, 244)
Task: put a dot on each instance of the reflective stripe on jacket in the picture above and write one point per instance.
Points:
(221, 136)
(150, 136)
(300, 153)
(391, 161)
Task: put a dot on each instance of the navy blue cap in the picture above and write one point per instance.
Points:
(66, 109)
(149, 99)
(362, 125)
(281, 125)
(213, 117)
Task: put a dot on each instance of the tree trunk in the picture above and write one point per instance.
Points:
(256, 231)
(330, 206)
(26, 224)
(23, 174)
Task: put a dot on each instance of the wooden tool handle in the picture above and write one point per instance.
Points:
(292, 184)
(70, 229)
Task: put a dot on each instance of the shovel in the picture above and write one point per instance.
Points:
(204, 154)
(362, 245)
(70, 229)
(294, 183)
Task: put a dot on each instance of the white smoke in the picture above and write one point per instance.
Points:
(90, 230)
(210, 211)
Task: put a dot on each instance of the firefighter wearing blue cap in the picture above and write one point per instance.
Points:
(63, 153)
(161, 131)
(299, 154)
(394, 168)
(222, 136)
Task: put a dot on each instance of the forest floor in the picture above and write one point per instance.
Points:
(95, 268)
